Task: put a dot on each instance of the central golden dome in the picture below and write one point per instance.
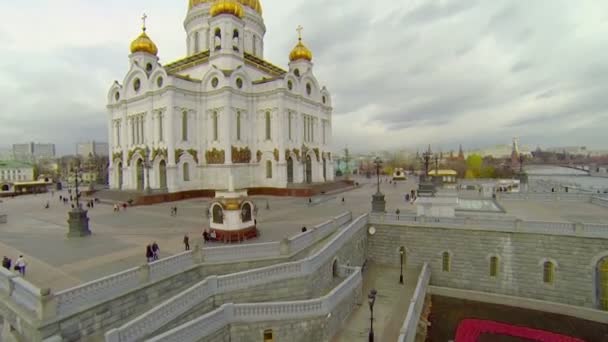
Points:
(226, 7)
(253, 4)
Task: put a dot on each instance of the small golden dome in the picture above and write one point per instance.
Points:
(232, 7)
(253, 4)
(300, 51)
(143, 43)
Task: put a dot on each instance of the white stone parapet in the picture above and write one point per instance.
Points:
(410, 324)
(3, 218)
(174, 307)
(592, 230)
(258, 312)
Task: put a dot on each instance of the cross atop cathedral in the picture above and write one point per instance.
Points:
(143, 20)
(299, 29)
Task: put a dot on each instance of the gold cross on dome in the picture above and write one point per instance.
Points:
(299, 29)
(143, 19)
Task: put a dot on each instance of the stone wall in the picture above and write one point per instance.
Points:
(521, 256)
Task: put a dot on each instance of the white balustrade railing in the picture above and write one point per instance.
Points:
(501, 225)
(211, 322)
(172, 265)
(26, 295)
(599, 201)
(71, 300)
(174, 307)
(410, 325)
(546, 196)
(242, 252)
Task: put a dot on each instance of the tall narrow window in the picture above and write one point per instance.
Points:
(235, 40)
(185, 126)
(446, 262)
(289, 124)
(215, 127)
(118, 132)
(142, 130)
(186, 172)
(218, 39)
(304, 129)
(548, 272)
(324, 124)
(132, 123)
(196, 42)
(253, 45)
(494, 266)
(268, 169)
(268, 335)
(312, 129)
(268, 130)
(160, 127)
(238, 126)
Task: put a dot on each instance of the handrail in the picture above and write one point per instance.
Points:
(410, 324)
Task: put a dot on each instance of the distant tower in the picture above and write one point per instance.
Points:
(460, 153)
(515, 152)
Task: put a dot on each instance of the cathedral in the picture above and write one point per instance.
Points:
(221, 111)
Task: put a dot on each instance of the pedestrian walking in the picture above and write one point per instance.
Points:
(206, 236)
(342, 200)
(174, 211)
(20, 265)
(187, 242)
(149, 253)
(6, 263)
(155, 250)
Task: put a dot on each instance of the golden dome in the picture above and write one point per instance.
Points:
(143, 43)
(300, 52)
(253, 4)
(227, 7)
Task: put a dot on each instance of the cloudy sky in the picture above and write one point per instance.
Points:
(403, 73)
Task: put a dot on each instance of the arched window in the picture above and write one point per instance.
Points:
(494, 266)
(238, 126)
(218, 214)
(196, 42)
(186, 172)
(218, 39)
(215, 127)
(246, 212)
(185, 126)
(334, 269)
(268, 128)
(548, 272)
(235, 40)
(253, 44)
(446, 263)
(268, 335)
(268, 169)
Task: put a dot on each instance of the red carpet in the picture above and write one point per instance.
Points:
(469, 330)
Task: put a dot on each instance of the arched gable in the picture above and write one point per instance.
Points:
(128, 84)
(242, 74)
(206, 81)
(116, 87)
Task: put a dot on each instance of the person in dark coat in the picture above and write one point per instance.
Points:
(187, 242)
(149, 253)
(155, 250)
(206, 235)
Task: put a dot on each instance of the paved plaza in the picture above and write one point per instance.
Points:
(119, 239)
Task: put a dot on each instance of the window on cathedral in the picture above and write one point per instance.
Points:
(548, 272)
(308, 88)
(215, 82)
(185, 126)
(238, 126)
(268, 335)
(160, 127)
(289, 85)
(239, 83)
(324, 124)
(494, 266)
(186, 172)
(235, 40)
(215, 127)
(137, 84)
(297, 72)
(253, 44)
(218, 39)
(446, 263)
(268, 169)
(159, 81)
(117, 96)
(324, 99)
(268, 128)
(149, 67)
(196, 42)
(289, 124)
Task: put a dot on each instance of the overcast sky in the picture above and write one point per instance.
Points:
(403, 73)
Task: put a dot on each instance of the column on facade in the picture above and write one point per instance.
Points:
(171, 166)
(281, 136)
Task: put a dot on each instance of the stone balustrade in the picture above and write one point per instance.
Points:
(257, 312)
(410, 324)
(599, 201)
(502, 225)
(178, 305)
(85, 295)
(546, 196)
(3, 218)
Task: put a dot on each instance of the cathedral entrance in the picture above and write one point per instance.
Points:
(139, 172)
(289, 170)
(119, 176)
(308, 170)
(324, 169)
(602, 283)
(162, 171)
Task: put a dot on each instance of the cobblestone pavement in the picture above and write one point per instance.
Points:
(119, 239)
(390, 308)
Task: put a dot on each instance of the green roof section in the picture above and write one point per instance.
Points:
(13, 164)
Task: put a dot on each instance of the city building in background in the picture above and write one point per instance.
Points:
(30, 152)
(15, 171)
(94, 148)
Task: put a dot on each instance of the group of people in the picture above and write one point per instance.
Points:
(209, 236)
(152, 252)
(117, 207)
(20, 264)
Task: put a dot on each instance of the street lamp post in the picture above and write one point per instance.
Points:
(371, 298)
(378, 202)
(78, 222)
(77, 173)
(148, 165)
(401, 253)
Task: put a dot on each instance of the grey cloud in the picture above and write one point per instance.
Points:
(521, 66)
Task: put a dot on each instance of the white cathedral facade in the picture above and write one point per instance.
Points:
(222, 110)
